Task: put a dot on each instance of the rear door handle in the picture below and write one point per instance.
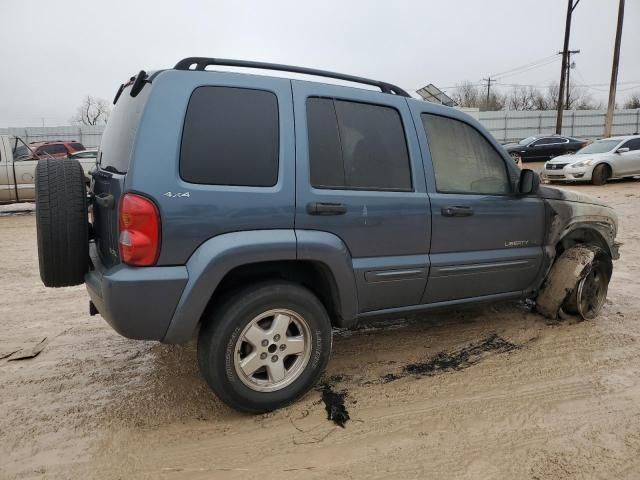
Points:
(320, 208)
(457, 211)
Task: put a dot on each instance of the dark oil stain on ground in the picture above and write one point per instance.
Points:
(334, 404)
(454, 361)
(440, 363)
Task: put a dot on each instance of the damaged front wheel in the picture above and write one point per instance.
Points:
(577, 283)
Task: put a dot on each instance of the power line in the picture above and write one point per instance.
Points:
(531, 67)
(634, 83)
(531, 64)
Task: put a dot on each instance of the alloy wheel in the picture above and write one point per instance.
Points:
(273, 350)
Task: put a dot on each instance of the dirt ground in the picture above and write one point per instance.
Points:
(524, 399)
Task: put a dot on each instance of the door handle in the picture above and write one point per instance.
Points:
(457, 211)
(320, 208)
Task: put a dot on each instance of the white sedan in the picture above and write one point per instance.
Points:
(614, 157)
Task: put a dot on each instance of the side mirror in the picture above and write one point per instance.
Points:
(528, 183)
(622, 150)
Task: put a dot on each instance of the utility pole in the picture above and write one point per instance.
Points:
(565, 53)
(488, 80)
(569, 53)
(614, 73)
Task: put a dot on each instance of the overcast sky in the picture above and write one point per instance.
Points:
(55, 52)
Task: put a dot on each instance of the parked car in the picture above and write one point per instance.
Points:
(614, 157)
(543, 147)
(258, 212)
(56, 149)
(17, 169)
(88, 153)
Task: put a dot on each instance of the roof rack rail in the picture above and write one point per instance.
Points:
(202, 62)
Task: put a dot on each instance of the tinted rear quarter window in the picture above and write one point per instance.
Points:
(230, 137)
(356, 146)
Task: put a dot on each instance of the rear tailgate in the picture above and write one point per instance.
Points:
(114, 158)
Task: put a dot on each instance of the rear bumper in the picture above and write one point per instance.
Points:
(138, 302)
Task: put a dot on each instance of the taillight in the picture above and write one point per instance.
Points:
(139, 229)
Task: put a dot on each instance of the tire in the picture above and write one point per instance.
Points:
(223, 346)
(62, 223)
(600, 174)
(587, 298)
(569, 287)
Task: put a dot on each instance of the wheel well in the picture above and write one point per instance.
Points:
(315, 276)
(588, 236)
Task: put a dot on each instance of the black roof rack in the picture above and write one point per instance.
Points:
(202, 62)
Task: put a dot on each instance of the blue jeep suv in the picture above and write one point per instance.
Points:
(258, 212)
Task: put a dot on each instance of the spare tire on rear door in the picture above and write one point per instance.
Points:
(62, 222)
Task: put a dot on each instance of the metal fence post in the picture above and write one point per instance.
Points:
(637, 122)
(540, 123)
(504, 136)
(573, 121)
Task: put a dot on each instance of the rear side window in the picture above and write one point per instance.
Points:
(633, 144)
(230, 137)
(356, 146)
(76, 146)
(116, 146)
(463, 160)
(53, 149)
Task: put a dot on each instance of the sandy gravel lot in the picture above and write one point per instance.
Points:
(529, 399)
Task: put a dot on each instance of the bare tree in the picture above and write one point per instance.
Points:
(466, 94)
(496, 101)
(522, 98)
(92, 111)
(579, 99)
(633, 101)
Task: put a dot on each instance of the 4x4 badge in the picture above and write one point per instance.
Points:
(177, 194)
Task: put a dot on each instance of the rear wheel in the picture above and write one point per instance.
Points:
(62, 223)
(600, 175)
(265, 346)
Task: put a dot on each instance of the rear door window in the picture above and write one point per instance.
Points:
(357, 146)
(230, 137)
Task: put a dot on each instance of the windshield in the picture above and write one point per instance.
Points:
(601, 146)
(526, 140)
